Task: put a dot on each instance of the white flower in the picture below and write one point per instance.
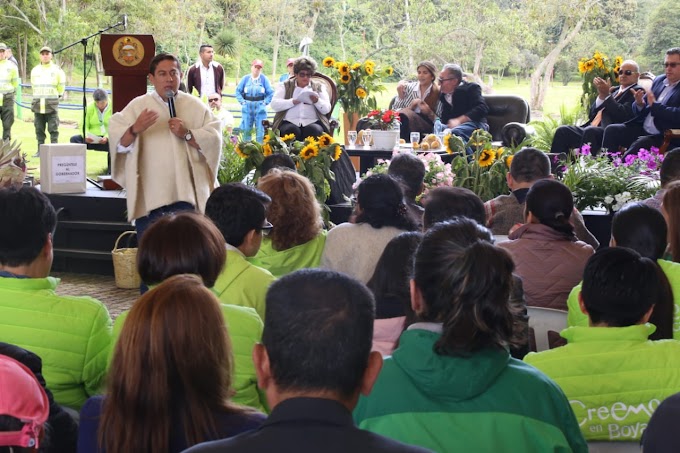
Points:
(608, 199)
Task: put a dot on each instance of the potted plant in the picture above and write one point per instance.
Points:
(385, 125)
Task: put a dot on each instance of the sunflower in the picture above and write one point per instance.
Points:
(355, 66)
(329, 62)
(370, 70)
(582, 66)
(267, 149)
(309, 151)
(240, 153)
(447, 140)
(288, 137)
(508, 160)
(389, 71)
(345, 78)
(589, 65)
(337, 153)
(499, 152)
(311, 141)
(343, 68)
(325, 140)
(361, 93)
(486, 157)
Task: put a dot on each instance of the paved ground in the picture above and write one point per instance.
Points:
(100, 287)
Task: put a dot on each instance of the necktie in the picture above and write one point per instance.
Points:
(598, 118)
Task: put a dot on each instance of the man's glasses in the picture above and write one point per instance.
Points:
(672, 65)
(266, 228)
(627, 72)
(304, 74)
(440, 80)
(213, 99)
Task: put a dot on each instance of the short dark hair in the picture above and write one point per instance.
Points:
(641, 228)
(28, 218)
(552, 203)
(529, 165)
(619, 286)
(237, 209)
(181, 243)
(99, 95)
(382, 203)
(673, 51)
(203, 47)
(670, 167)
(163, 57)
(318, 331)
(410, 171)
(278, 160)
(305, 64)
(445, 203)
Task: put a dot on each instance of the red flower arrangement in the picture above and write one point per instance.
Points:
(382, 119)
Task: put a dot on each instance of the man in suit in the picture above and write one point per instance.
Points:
(207, 76)
(612, 106)
(314, 360)
(655, 111)
(461, 106)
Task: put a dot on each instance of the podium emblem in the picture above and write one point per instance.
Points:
(128, 51)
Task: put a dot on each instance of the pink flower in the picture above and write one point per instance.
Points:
(585, 150)
(629, 159)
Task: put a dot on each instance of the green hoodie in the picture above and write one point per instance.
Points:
(485, 402)
(283, 262)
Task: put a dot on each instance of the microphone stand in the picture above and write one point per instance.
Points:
(83, 41)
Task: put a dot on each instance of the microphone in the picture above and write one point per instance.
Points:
(125, 22)
(171, 103)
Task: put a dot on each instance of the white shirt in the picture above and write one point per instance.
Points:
(207, 78)
(300, 114)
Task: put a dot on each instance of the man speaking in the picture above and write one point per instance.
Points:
(165, 148)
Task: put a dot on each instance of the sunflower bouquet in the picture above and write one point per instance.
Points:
(357, 83)
(599, 65)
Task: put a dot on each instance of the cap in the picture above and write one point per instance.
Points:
(290, 61)
(22, 397)
(257, 63)
(3, 46)
(45, 49)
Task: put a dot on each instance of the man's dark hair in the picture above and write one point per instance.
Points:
(27, 219)
(529, 165)
(278, 160)
(318, 331)
(163, 57)
(619, 286)
(237, 209)
(673, 51)
(304, 64)
(641, 228)
(445, 203)
(410, 171)
(670, 167)
(203, 47)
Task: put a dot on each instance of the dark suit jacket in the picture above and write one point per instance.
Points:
(467, 100)
(617, 110)
(194, 78)
(666, 115)
(301, 425)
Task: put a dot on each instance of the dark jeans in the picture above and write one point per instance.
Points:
(302, 132)
(570, 137)
(631, 137)
(7, 115)
(52, 122)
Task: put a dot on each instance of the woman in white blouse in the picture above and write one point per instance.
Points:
(417, 101)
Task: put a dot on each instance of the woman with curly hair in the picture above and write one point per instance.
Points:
(297, 237)
(379, 215)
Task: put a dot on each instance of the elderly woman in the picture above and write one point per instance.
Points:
(301, 105)
(97, 118)
(417, 101)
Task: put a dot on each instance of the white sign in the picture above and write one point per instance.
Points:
(68, 169)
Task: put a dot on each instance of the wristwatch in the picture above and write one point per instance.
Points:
(188, 136)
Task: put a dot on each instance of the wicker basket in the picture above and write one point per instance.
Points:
(125, 265)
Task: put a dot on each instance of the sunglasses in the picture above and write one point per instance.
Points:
(266, 229)
(627, 72)
(304, 74)
(440, 80)
(213, 99)
(672, 65)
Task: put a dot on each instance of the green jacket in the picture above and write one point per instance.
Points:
(72, 335)
(245, 330)
(614, 377)
(672, 271)
(242, 283)
(92, 123)
(283, 262)
(488, 402)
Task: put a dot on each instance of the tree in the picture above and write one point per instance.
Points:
(662, 34)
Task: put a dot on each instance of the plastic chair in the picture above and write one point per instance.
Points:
(544, 320)
(614, 447)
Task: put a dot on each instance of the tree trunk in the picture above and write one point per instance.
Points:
(479, 54)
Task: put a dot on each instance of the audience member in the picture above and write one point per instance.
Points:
(548, 257)
(452, 371)
(445, 203)
(254, 93)
(506, 211)
(189, 243)
(221, 113)
(670, 208)
(417, 101)
(355, 248)
(97, 116)
(207, 76)
(313, 376)
(669, 172)
(289, 68)
(642, 228)
(170, 379)
(660, 435)
(461, 107)
(72, 335)
(390, 287)
(278, 160)
(239, 212)
(409, 171)
(297, 238)
(612, 374)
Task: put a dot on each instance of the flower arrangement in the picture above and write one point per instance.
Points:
(382, 119)
(357, 83)
(12, 164)
(610, 181)
(597, 66)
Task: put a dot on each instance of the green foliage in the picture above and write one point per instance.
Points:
(544, 130)
(232, 166)
(662, 34)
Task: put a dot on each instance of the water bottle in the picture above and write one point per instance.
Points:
(397, 127)
(438, 127)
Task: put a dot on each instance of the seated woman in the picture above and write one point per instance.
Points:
(417, 101)
(379, 215)
(549, 258)
(189, 243)
(169, 384)
(97, 118)
(452, 381)
(301, 105)
(297, 238)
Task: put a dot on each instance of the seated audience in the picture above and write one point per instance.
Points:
(72, 335)
(221, 113)
(97, 118)
(297, 238)
(390, 287)
(313, 376)
(506, 211)
(301, 104)
(238, 211)
(660, 435)
(189, 243)
(612, 374)
(669, 172)
(170, 379)
(278, 160)
(445, 203)
(548, 257)
(380, 215)
(409, 171)
(417, 101)
(670, 208)
(24, 408)
(451, 385)
(643, 229)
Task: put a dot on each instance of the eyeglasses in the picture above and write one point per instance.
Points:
(672, 65)
(304, 74)
(627, 72)
(213, 99)
(266, 229)
(440, 80)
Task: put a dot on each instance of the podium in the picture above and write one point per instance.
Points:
(126, 58)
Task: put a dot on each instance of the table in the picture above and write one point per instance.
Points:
(368, 156)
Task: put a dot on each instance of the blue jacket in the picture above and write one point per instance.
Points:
(666, 115)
